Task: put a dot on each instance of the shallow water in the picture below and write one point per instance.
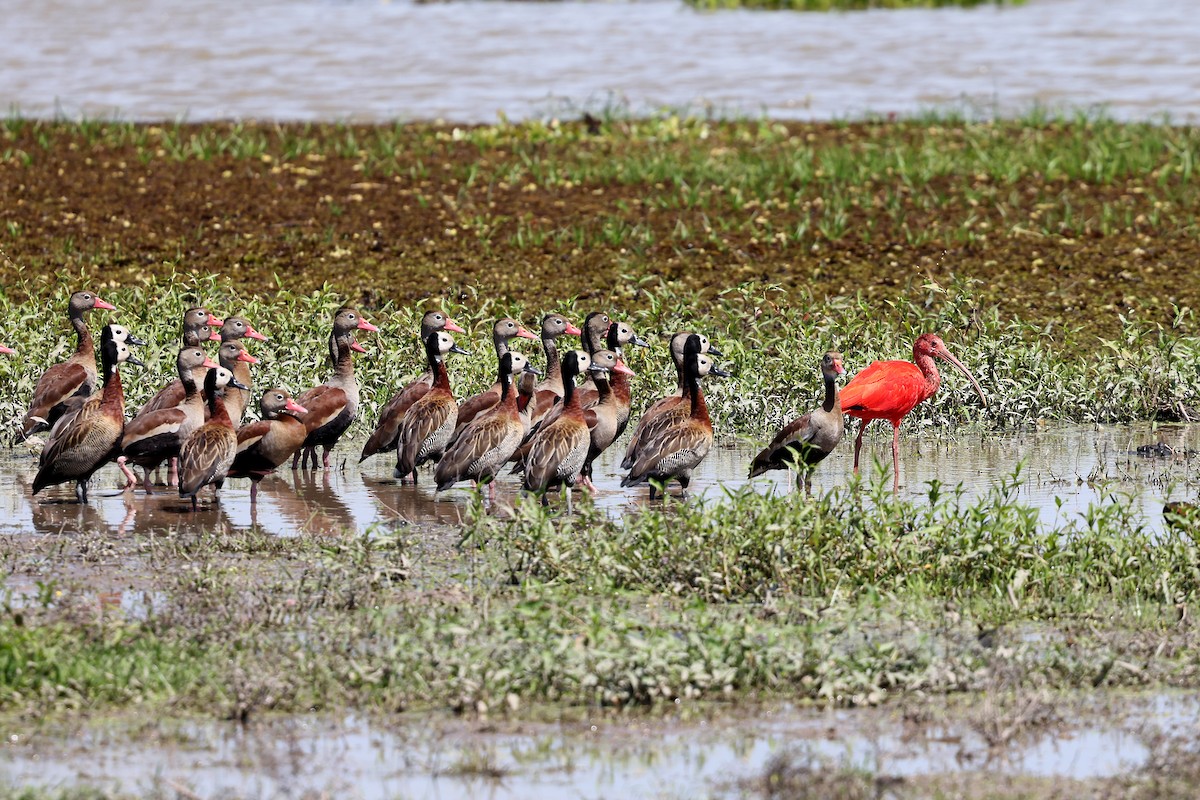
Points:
(435, 756)
(467, 61)
(1064, 470)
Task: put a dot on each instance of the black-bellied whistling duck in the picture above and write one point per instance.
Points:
(551, 387)
(333, 406)
(264, 445)
(502, 332)
(594, 332)
(91, 438)
(484, 445)
(8, 351)
(239, 328)
(233, 356)
(387, 428)
(198, 328)
(76, 375)
(429, 423)
(603, 418)
(679, 438)
(678, 342)
(593, 337)
(208, 453)
(194, 320)
(557, 451)
(804, 443)
(152, 437)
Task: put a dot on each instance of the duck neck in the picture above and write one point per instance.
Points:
(441, 378)
(84, 346)
(699, 406)
(113, 396)
(343, 359)
(832, 401)
(570, 398)
(604, 390)
(191, 386)
(501, 344)
(553, 367)
(508, 397)
(217, 412)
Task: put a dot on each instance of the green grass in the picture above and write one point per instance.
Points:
(852, 598)
(772, 347)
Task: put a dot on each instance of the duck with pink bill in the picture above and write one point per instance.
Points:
(333, 406)
(75, 376)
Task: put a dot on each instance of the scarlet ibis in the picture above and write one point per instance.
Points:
(890, 389)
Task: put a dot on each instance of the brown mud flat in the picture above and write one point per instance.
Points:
(440, 218)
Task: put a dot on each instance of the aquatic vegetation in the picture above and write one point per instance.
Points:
(1147, 372)
(851, 598)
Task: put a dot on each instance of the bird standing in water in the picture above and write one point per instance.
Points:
(805, 442)
(890, 389)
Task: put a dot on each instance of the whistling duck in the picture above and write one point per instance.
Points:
(233, 356)
(804, 443)
(91, 438)
(551, 387)
(333, 406)
(503, 331)
(526, 387)
(387, 428)
(239, 328)
(76, 375)
(429, 423)
(153, 437)
(603, 417)
(208, 453)
(679, 438)
(486, 443)
(678, 342)
(619, 335)
(71, 405)
(197, 329)
(194, 321)
(557, 451)
(264, 445)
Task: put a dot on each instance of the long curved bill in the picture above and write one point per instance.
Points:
(945, 354)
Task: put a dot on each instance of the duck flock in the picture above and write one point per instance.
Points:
(549, 427)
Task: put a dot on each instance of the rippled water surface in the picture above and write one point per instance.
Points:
(467, 61)
(605, 756)
(1063, 471)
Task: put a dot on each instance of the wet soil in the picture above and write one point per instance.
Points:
(412, 231)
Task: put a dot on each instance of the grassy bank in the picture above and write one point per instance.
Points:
(849, 599)
(1067, 223)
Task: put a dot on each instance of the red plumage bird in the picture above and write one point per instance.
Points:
(890, 389)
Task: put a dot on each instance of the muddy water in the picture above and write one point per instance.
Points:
(434, 756)
(1063, 471)
(467, 61)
